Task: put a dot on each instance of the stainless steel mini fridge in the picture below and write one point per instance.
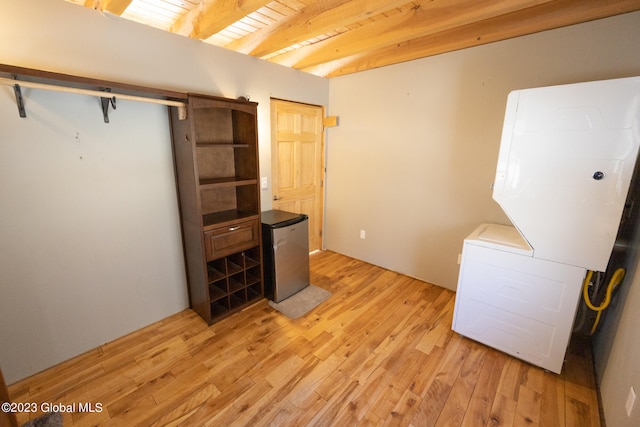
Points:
(285, 239)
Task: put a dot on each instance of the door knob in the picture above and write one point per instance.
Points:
(276, 198)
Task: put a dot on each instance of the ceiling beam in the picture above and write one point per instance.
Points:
(429, 18)
(345, 44)
(117, 7)
(316, 19)
(559, 13)
(212, 16)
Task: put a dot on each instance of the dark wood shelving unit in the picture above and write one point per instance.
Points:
(216, 158)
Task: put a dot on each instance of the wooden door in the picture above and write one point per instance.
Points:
(297, 163)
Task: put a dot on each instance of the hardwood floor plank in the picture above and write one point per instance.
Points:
(456, 405)
(184, 405)
(509, 385)
(264, 407)
(388, 405)
(581, 404)
(432, 403)
(107, 390)
(552, 405)
(308, 385)
(366, 393)
(328, 413)
(278, 415)
(240, 410)
(503, 411)
(479, 408)
(379, 351)
(217, 404)
(404, 410)
(428, 371)
(528, 408)
(578, 413)
(306, 411)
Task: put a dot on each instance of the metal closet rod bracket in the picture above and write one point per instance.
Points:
(19, 101)
(105, 104)
(103, 100)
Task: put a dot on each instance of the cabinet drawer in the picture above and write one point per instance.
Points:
(224, 241)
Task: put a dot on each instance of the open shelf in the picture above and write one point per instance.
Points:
(216, 292)
(253, 276)
(234, 280)
(225, 182)
(218, 309)
(217, 218)
(222, 145)
(254, 292)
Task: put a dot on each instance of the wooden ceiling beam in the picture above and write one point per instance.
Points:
(316, 19)
(428, 18)
(117, 7)
(559, 13)
(212, 16)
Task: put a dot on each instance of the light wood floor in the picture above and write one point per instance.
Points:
(379, 351)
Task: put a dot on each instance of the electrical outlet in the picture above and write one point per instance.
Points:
(264, 183)
(631, 400)
(363, 234)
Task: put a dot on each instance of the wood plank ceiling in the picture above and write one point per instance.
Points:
(337, 37)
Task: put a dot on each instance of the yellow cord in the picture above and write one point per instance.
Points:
(615, 281)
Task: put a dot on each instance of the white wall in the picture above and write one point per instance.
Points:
(89, 239)
(617, 345)
(90, 245)
(416, 150)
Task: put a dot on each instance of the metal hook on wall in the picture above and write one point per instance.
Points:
(19, 101)
(105, 105)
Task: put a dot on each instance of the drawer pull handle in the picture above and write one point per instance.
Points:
(234, 228)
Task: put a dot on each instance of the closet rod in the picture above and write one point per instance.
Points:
(182, 107)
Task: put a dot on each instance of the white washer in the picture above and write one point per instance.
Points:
(513, 302)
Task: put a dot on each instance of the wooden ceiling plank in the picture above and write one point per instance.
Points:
(156, 10)
(212, 16)
(295, 4)
(429, 18)
(280, 8)
(545, 17)
(312, 21)
(271, 13)
(261, 17)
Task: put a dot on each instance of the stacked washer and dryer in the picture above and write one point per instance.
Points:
(566, 160)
